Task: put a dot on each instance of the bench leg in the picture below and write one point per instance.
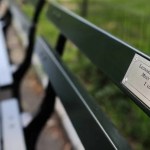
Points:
(33, 130)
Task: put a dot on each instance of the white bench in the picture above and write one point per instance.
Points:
(11, 126)
(5, 67)
(13, 134)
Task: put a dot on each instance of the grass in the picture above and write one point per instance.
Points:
(128, 20)
(123, 21)
(45, 28)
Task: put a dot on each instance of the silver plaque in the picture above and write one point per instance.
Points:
(137, 78)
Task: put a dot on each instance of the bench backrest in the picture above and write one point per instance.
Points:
(105, 51)
(92, 126)
(108, 53)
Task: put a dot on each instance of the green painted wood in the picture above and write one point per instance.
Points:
(106, 51)
(92, 126)
(110, 54)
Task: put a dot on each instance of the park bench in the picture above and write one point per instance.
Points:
(127, 67)
(13, 73)
(11, 79)
(5, 66)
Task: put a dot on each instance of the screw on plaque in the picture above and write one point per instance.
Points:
(136, 58)
(125, 80)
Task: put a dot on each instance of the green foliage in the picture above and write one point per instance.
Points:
(130, 26)
(45, 28)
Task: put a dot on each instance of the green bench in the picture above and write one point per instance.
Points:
(124, 65)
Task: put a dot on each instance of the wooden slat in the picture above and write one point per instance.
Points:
(104, 50)
(107, 52)
(5, 68)
(12, 132)
(88, 120)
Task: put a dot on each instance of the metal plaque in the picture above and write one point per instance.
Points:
(137, 78)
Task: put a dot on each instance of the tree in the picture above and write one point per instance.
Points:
(84, 8)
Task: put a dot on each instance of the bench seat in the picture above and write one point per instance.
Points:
(5, 67)
(12, 131)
